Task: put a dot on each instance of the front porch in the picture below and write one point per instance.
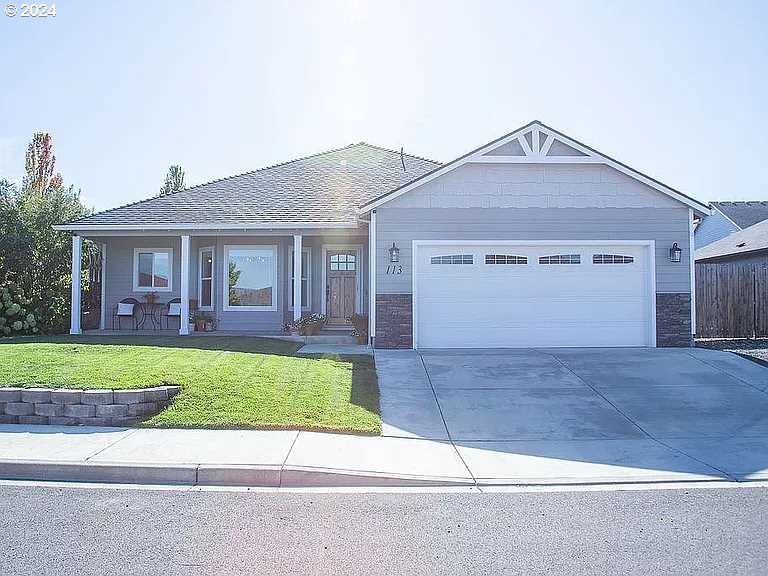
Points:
(240, 283)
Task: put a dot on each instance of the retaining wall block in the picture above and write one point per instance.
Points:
(95, 421)
(62, 421)
(8, 419)
(158, 394)
(97, 397)
(112, 411)
(79, 411)
(36, 395)
(49, 409)
(10, 394)
(66, 396)
(143, 409)
(19, 409)
(129, 396)
(33, 419)
(127, 421)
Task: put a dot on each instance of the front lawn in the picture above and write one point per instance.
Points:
(227, 382)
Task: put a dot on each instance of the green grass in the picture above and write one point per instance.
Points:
(237, 382)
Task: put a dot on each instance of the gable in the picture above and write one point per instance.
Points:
(533, 186)
(538, 149)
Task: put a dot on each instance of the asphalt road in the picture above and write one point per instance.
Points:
(84, 531)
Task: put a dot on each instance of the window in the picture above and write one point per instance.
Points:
(205, 279)
(561, 259)
(343, 262)
(152, 269)
(505, 259)
(453, 259)
(251, 278)
(306, 273)
(611, 259)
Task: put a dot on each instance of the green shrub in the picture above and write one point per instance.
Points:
(16, 316)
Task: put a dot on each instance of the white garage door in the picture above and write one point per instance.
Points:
(514, 295)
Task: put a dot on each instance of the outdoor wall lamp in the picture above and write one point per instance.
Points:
(394, 253)
(675, 253)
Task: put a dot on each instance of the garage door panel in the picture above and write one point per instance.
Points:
(533, 304)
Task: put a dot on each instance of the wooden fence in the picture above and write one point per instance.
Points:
(732, 299)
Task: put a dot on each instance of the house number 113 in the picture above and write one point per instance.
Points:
(394, 269)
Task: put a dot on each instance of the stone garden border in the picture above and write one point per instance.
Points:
(65, 407)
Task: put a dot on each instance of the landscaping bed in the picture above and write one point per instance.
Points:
(752, 348)
(226, 382)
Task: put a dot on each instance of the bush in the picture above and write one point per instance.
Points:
(16, 316)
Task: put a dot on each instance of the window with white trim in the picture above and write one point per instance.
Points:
(205, 279)
(453, 259)
(505, 259)
(561, 259)
(306, 275)
(251, 282)
(612, 259)
(152, 269)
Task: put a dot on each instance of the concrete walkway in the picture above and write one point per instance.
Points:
(536, 417)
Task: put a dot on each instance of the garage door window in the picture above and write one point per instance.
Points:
(561, 259)
(505, 259)
(611, 259)
(453, 259)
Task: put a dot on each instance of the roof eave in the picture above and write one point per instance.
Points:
(75, 227)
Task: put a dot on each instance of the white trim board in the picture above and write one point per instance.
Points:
(539, 156)
(358, 275)
(650, 244)
(211, 227)
(308, 272)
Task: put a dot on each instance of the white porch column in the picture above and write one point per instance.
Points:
(372, 278)
(297, 303)
(103, 315)
(77, 255)
(184, 321)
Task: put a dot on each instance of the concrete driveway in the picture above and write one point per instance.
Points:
(583, 415)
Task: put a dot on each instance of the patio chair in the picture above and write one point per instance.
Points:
(171, 310)
(126, 308)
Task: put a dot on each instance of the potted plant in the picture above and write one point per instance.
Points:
(360, 327)
(150, 298)
(192, 321)
(307, 325)
(210, 323)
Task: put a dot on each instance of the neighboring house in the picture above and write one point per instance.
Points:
(750, 244)
(531, 240)
(727, 218)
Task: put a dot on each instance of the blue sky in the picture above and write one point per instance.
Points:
(677, 90)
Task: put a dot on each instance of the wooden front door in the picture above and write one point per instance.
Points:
(341, 290)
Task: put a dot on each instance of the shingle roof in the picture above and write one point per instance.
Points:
(325, 188)
(744, 214)
(750, 239)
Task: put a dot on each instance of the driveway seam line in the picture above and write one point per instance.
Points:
(442, 417)
(107, 447)
(722, 370)
(643, 430)
(285, 460)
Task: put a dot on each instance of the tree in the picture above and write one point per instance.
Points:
(34, 257)
(174, 181)
(40, 163)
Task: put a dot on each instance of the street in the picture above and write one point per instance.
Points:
(78, 530)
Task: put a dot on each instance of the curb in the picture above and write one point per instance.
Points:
(261, 476)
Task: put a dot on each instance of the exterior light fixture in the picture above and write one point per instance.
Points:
(675, 253)
(394, 253)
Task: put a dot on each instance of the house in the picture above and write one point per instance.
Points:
(747, 245)
(534, 239)
(727, 218)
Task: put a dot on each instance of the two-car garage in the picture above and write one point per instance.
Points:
(538, 294)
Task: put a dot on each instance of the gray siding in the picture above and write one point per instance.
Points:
(534, 202)
(713, 228)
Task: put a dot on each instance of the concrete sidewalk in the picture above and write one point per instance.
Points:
(310, 459)
(225, 457)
